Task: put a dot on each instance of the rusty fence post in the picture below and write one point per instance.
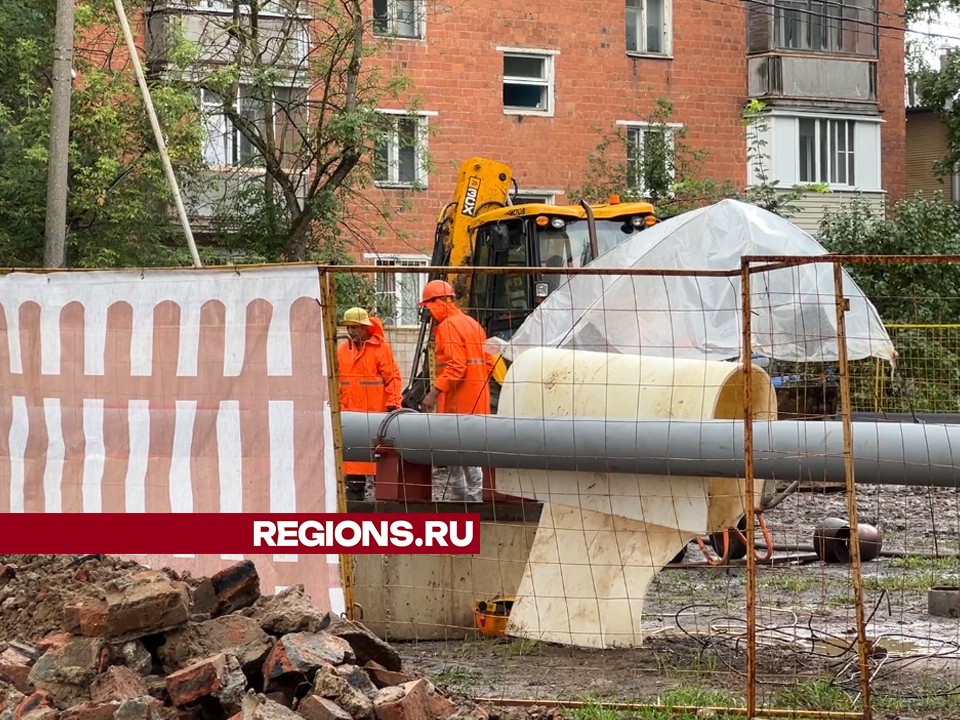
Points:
(855, 567)
(749, 501)
(328, 306)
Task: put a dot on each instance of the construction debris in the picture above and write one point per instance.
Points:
(97, 638)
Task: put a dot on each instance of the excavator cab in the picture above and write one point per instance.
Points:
(539, 236)
(480, 227)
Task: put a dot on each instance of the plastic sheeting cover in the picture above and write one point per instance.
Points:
(794, 310)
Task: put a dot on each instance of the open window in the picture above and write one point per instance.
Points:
(528, 81)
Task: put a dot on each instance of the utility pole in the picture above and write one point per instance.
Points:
(55, 235)
(157, 132)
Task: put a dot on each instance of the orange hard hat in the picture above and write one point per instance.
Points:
(436, 289)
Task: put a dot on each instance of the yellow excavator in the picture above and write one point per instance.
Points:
(481, 227)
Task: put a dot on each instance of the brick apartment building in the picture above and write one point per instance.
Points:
(532, 82)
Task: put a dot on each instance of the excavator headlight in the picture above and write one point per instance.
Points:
(557, 223)
(637, 221)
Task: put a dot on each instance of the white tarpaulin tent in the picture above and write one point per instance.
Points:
(794, 308)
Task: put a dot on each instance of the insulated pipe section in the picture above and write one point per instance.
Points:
(884, 453)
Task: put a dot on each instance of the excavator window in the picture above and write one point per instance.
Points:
(502, 302)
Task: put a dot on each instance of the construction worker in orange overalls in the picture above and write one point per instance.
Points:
(369, 382)
(462, 381)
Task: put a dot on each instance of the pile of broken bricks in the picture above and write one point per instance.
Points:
(159, 647)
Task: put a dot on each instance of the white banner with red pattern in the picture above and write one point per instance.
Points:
(171, 391)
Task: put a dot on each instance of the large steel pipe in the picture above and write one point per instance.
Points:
(884, 453)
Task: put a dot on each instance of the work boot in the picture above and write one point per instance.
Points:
(356, 486)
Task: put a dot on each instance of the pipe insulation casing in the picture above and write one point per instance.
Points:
(883, 452)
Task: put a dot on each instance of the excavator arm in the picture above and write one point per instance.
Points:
(481, 185)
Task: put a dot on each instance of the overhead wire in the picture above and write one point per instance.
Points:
(897, 30)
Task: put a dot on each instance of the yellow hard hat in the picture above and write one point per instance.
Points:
(356, 316)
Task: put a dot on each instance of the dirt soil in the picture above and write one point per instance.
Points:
(806, 624)
(32, 599)
(694, 616)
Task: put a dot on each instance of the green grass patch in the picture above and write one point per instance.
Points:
(789, 582)
(516, 647)
(699, 665)
(928, 703)
(815, 694)
(839, 602)
(909, 581)
(456, 677)
(593, 710)
(682, 696)
(923, 562)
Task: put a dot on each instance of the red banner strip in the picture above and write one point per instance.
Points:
(241, 533)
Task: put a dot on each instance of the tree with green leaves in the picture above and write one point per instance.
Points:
(290, 106)
(658, 165)
(117, 190)
(902, 292)
(906, 294)
(269, 109)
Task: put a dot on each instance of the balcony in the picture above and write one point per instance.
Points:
(849, 84)
(281, 36)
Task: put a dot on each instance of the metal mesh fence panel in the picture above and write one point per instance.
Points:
(622, 569)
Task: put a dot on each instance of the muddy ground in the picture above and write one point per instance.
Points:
(694, 652)
(806, 625)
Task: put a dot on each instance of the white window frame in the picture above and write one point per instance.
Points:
(543, 197)
(641, 127)
(269, 7)
(211, 116)
(836, 157)
(419, 280)
(808, 21)
(666, 30)
(782, 137)
(547, 82)
(420, 171)
(419, 22)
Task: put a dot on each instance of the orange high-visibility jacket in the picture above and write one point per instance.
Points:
(463, 366)
(369, 382)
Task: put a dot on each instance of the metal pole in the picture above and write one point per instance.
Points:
(329, 312)
(849, 473)
(157, 133)
(55, 232)
(749, 500)
(883, 453)
(591, 230)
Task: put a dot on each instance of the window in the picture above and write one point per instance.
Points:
(650, 168)
(398, 294)
(528, 82)
(827, 151)
(648, 27)
(842, 151)
(265, 6)
(399, 18)
(399, 157)
(543, 198)
(226, 146)
(836, 26)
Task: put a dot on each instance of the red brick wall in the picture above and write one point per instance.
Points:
(890, 92)
(457, 71)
